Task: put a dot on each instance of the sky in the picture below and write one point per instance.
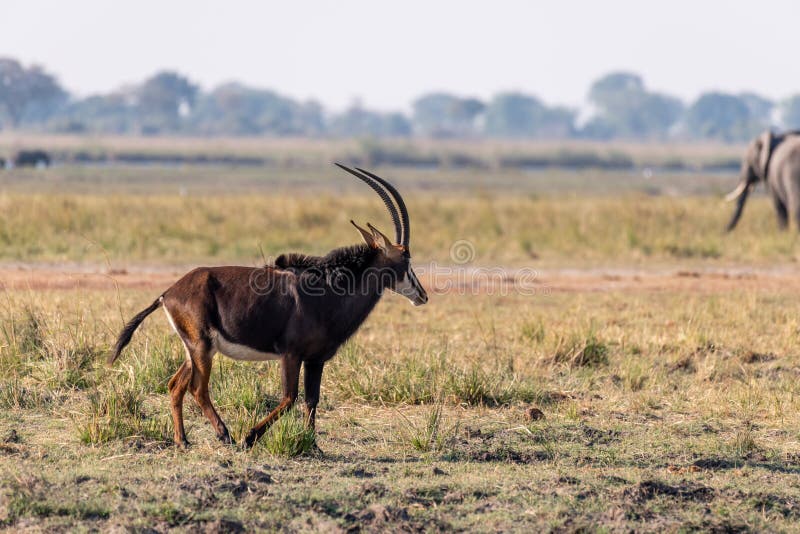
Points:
(384, 54)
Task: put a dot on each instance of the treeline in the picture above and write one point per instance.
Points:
(620, 107)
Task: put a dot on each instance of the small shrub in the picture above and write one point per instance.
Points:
(533, 331)
(72, 367)
(586, 351)
(634, 375)
(30, 335)
(472, 387)
(117, 414)
(744, 442)
(289, 436)
(16, 395)
(573, 411)
(431, 434)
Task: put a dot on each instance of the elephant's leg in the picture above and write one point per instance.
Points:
(794, 210)
(788, 188)
(781, 212)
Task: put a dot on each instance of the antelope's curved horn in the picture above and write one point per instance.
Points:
(733, 195)
(398, 229)
(406, 235)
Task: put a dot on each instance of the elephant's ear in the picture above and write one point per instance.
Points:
(764, 154)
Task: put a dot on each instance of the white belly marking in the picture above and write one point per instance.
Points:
(241, 352)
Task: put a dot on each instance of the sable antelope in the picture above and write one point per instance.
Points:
(298, 310)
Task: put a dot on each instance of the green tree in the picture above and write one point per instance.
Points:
(790, 112)
(27, 94)
(519, 115)
(760, 108)
(111, 113)
(612, 89)
(359, 122)
(235, 109)
(721, 116)
(626, 109)
(446, 115)
(164, 99)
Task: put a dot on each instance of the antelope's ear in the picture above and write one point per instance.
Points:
(382, 241)
(365, 235)
(282, 261)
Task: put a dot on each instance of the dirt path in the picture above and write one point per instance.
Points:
(440, 280)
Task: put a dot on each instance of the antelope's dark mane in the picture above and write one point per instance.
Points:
(355, 258)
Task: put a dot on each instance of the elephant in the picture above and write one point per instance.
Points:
(31, 158)
(775, 160)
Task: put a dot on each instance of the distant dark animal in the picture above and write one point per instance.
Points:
(775, 160)
(298, 310)
(2, 163)
(31, 158)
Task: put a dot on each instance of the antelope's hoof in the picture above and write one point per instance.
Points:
(226, 439)
(251, 439)
(182, 444)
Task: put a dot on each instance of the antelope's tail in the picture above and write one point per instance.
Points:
(127, 332)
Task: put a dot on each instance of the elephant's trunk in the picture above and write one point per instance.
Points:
(743, 191)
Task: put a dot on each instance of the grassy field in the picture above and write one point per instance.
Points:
(608, 399)
(292, 152)
(630, 229)
(661, 410)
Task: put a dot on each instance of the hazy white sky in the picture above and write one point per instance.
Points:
(386, 53)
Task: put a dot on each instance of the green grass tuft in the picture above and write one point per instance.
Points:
(430, 434)
(581, 351)
(117, 413)
(289, 436)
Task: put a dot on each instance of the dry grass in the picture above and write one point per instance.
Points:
(502, 230)
(665, 407)
(688, 419)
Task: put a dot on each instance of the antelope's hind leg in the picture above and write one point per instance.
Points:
(203, 359)
(193, 375)
(178, 385)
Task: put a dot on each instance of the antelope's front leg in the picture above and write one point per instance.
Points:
(312, 378)
(290, 378)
